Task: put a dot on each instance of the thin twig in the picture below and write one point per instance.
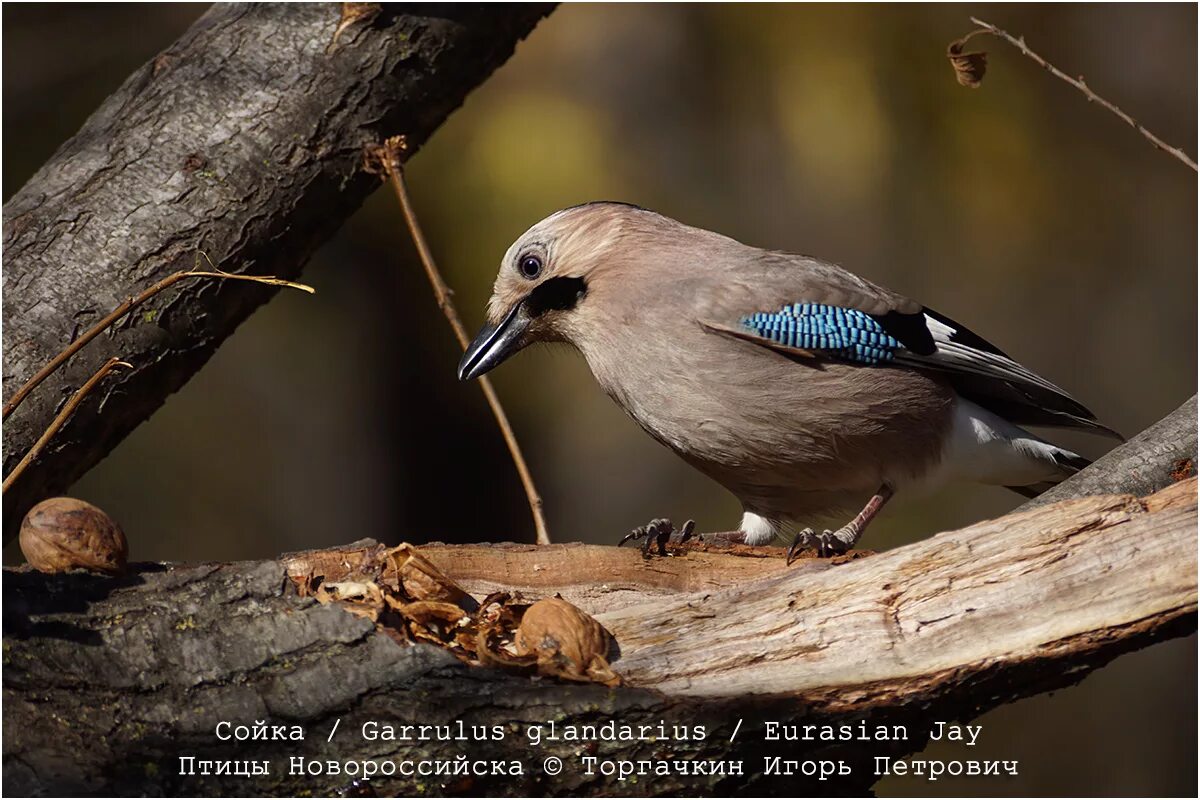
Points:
(123, 309)
(390, 156)
(1079, 84)
(61, 418)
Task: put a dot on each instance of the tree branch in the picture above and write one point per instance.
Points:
(142, 669)
(114, 316)
(61, 418)
(1079, 83)
(1157, 457)
(244, 139)
(390, 155)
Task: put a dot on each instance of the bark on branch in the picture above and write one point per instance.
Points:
(107, 683)
(244, 139)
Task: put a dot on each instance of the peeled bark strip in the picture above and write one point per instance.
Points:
(245, 140)
(107, 683)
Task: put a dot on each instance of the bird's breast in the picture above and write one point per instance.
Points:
(753, 418)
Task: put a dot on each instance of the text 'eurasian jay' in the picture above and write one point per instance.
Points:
(798, 386)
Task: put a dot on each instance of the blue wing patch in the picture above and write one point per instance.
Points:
(838, 332)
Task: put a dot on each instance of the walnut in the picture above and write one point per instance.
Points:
(568, 643)
(62, 534)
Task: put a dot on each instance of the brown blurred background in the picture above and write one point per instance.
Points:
(1040, 221)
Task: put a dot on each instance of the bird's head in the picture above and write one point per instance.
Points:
(548, 279)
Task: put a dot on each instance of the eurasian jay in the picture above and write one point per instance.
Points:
(802, 388)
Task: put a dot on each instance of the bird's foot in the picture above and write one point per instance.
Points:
(827, 543)
(657, 534)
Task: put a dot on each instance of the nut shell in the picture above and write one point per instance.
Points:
(568, 643)
(62, 534)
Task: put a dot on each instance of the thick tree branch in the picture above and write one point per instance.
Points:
(244, 139)
(142, 670)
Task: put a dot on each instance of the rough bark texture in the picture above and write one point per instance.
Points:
(244, 139)
(108, 682)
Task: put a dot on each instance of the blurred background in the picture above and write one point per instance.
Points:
(1041, 222)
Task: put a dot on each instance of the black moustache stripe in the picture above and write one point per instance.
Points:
(556, 294)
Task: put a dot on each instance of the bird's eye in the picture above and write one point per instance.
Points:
(530, 266)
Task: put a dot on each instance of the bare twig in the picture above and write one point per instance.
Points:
(61, 418)
(123, 309)
(1078, 83)
(390, 157)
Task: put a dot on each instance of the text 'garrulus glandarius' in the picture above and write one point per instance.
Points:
(798, 386)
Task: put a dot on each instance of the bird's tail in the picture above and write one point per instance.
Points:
(1070, 463)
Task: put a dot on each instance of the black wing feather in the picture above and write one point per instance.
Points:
(984, 374)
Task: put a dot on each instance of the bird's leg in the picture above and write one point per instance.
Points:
(835, 542)
(657, 534)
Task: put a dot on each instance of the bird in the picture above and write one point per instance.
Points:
(805, 390)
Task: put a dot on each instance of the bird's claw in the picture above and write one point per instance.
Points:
(828, 543)
(657, 534)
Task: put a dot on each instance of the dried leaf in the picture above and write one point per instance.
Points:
(418, 579)
(490, 654)
(437, 622)
(568, 642)
(969, 68)
(431, 612)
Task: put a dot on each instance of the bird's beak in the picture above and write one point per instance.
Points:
(494, 343)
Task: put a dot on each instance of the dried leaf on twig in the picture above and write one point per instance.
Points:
(969, 68)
